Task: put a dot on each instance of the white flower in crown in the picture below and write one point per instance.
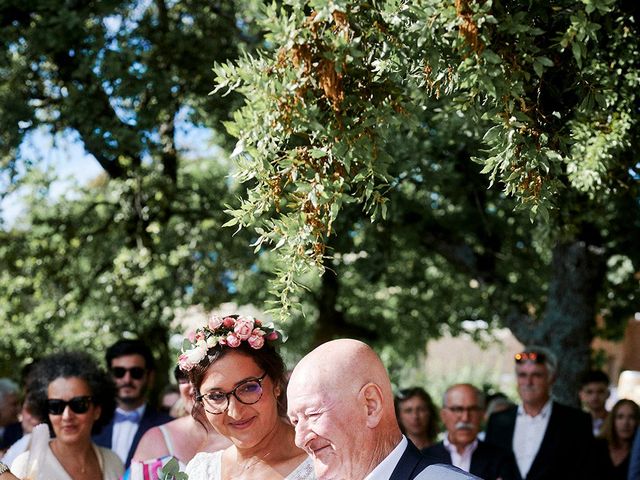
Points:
(214, 322)
(190, 358)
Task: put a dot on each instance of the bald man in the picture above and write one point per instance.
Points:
(341, 404)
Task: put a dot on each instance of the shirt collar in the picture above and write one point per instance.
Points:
(385, 468)
(544, 413)
(140, 410)
(451, 448)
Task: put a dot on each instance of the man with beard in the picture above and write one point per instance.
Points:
(461, 414)
(549, 440)
(132, 368)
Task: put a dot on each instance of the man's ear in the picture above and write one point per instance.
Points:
(371, 396)
(442, 415)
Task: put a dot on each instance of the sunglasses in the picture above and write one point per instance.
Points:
(55, 406)
(136, 372)
(534, 357)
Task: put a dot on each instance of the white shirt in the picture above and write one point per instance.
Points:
(386, 467)
(460, 460)
(527, 436)
(598, 423)
(21, 445)
(123, 433)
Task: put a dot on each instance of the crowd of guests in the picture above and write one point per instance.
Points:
(236, 413)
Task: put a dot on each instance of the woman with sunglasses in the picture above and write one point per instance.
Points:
(239, 381)
(76, 399)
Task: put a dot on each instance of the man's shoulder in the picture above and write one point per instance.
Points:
(496, 453)
(436, 452)
(571, 415)
(153, 417)
(444, 472)
(503, 418)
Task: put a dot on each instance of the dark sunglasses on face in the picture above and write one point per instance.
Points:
(55, 406)
(534, 357)
(136, 372)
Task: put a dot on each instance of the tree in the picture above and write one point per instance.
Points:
(548, 95)
(124, 77)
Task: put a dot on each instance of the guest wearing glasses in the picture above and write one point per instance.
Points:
(549, 440)
(462, 413)
(417, 416)
(132, 368)
(76, 399)
(239, 381)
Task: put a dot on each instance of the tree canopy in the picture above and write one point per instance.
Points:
(368, 103)
(404, 167)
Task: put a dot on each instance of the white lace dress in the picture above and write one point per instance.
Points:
(208, 466)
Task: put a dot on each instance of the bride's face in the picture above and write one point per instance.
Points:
(245, 425)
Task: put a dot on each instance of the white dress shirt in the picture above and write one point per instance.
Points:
(385, 468)
(527, 436)
(123, 434)
(460, 460)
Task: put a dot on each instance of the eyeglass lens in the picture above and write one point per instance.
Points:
(55, 406)
(248, 392)
(136, 372)
(461, 410)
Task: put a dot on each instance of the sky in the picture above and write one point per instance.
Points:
(65, 155)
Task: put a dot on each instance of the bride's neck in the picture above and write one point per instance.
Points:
(271, 445)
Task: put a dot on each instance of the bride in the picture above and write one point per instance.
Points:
(239, 380)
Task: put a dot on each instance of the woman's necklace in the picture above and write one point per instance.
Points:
(82, 468)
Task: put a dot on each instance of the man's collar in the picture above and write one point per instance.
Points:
(450, 447)
(385, 468)
(544, 412)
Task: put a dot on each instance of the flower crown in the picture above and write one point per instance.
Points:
(228, 331)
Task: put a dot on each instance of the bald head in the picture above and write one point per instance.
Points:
(341, 403)
(345, 364)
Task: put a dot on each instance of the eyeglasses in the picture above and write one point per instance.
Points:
(247, 392)
(55, 406)
(136, 372)
(460, 410)
(534, 357)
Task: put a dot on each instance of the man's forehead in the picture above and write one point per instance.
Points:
(130, 359)
(308, 398)
(595, 386)
(531, 367)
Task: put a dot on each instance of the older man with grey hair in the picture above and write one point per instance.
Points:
(341, 405)
(549, 440)
(461, 414)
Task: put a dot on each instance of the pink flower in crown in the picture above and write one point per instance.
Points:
(199, 336)
(256, 341)
(232, 340)
(229, 322)
(258, 331)
(191, 336)
(214, 322)
(244, 327)
(272, 335)
(190, 358)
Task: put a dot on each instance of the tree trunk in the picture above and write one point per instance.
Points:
(568, 322)
(331, 322)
